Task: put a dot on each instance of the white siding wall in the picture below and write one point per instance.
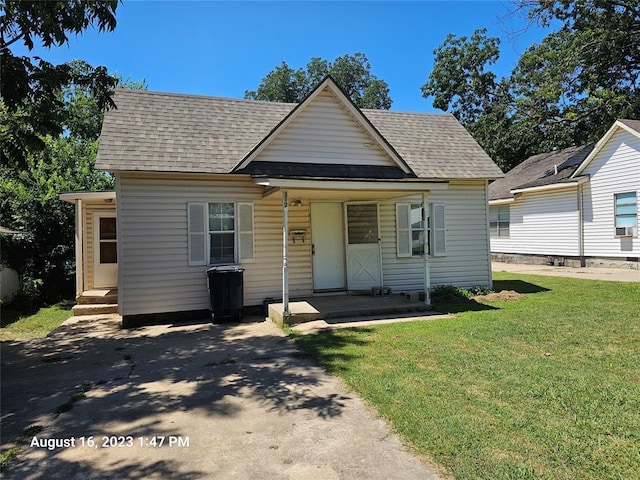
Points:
(543, 223)
(466, 263)
(616, 169)
(155, 276)
(324, 133)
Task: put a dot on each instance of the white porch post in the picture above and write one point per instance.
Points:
(427, 266)
(285, 252)
(79, 249)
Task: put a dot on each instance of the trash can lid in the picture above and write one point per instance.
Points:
(225, 269)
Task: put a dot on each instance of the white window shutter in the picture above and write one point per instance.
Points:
(439, 233)
(245, 232)
(197, 227)
(403, 230)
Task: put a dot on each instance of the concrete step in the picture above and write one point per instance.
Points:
(299, 312)
(94, 309)
(94, 299)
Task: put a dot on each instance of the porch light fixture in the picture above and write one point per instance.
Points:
(108, 200)
(296, 203)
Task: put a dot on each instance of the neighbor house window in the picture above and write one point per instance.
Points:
(411, 231)
(220, 232)
(499, 221)
(626, 209)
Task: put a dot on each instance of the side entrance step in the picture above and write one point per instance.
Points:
(94, 309)
(96, 302)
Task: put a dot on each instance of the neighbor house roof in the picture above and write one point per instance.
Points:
(550, 168)
(167, 132)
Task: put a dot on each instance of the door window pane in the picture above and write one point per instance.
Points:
(362, 223)
(108, 252)
(107, 228)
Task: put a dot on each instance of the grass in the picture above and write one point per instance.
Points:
(545, 387)
(21, 321)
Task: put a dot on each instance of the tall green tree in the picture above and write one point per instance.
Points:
(44, 254)
(31, 106)
(566, 90)
(351, 72)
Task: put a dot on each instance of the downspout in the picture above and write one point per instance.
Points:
(583, 262)
(487, 215)
(427, 265)
(285, 262)
(79, 250)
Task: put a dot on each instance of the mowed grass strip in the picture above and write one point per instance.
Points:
(20, 322)
(545, 387)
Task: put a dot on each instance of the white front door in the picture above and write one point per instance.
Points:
(364, 266)
(105, 250)
(327, 236)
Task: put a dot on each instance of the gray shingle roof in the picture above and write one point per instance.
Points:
(167, 132)
(540, 170)
(635, 124)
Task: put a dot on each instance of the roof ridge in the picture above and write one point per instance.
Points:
(199, 96)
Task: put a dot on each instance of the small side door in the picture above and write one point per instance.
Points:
(105, 250)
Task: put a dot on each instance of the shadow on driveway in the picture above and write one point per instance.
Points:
(237, 400)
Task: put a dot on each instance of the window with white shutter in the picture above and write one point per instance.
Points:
(220, 232)
(197, 234)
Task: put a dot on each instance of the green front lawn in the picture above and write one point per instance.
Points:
(20, 322)
(544, 387)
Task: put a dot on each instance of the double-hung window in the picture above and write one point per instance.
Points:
(499, 220)
(411, 231)
(626, 212)
(220, 232)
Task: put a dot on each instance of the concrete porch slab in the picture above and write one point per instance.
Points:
(345, 306)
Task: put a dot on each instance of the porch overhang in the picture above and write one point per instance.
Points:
(355, 187)
(89, 197)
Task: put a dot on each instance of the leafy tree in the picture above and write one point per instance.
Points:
(351, 72)
(29, 202)
(44, 254)
(31, 105)
(566, 90)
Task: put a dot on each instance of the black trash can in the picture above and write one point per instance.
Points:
(226, 291)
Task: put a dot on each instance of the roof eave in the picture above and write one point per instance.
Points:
(552, 186)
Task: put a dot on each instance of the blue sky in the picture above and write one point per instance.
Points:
(225, 48)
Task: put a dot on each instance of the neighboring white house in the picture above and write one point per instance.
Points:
(360, 196)
(577, 206)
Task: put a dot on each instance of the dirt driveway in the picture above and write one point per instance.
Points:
(589, 273)
(186, 402)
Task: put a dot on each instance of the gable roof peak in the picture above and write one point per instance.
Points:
(351, 108)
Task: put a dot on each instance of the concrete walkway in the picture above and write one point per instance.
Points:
(591, 273)
(227, 401)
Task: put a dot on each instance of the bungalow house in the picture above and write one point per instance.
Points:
(575, 207)
(308, 198)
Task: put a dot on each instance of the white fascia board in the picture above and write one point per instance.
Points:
(71, 197)
(501, 201)
(555, 186)
(333, 184)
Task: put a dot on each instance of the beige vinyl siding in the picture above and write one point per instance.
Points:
(542, 223)
(324, 133)
(466, 262)
(88, 254)
(155, 275)
(616, 169)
